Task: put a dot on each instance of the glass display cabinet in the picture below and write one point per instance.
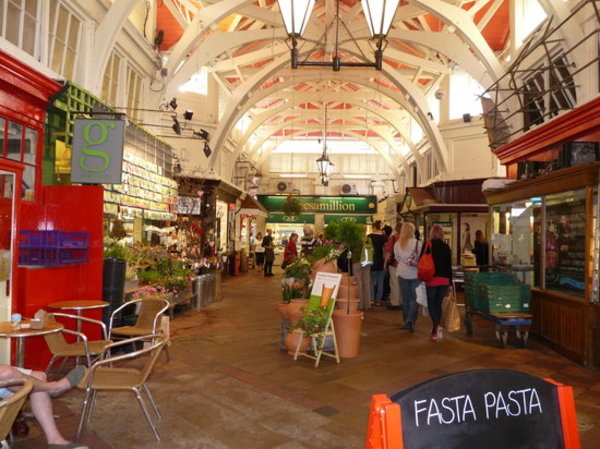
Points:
(545, 230)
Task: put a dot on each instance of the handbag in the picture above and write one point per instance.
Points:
(413, 258)
(421, 291)
(426, 267)
(450, 314)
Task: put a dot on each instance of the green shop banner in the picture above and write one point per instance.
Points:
(324, 204)
(280, 218)
(360, 219)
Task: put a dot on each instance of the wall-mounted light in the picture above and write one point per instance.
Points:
(176, 126)
(187, 115)
(173, 103)
(203, 134)
(207, 150)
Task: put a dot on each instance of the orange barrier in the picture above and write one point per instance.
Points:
(385, 424)
(568, 417)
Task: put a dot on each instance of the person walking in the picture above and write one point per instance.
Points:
(378, 239)
(391, 263)
(406, 251)
(437, 286)
(290, 252)
(269, 245)
(481, 250)
(259, 251)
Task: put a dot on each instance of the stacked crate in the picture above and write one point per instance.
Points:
(496, 293)
(53, 248)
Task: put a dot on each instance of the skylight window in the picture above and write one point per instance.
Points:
(464, 95)
(529, 14)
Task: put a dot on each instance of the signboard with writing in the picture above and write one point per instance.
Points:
(360, 219)
(281, 218)
(492, 409)
(324, 204)
(97, 151)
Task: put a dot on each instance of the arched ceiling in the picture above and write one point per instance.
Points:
(243, 44)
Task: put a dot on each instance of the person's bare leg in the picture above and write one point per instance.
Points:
(38, 379)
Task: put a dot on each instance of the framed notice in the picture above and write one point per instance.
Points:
(97, 151)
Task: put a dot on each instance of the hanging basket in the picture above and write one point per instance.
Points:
(292, 206)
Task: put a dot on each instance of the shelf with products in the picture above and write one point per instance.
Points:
(143, 191)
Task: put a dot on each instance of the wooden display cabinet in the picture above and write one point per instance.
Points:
(550, 225)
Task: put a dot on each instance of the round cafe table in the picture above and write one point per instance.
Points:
(8, 331)
(78, 306)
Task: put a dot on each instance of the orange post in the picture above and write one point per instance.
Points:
(385, 424)
(568, 417)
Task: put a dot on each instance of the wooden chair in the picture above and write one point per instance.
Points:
(102, 376)
(61, 349)
(10, 407)
(147, 322)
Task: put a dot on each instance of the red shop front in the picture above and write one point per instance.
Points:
(26, 204)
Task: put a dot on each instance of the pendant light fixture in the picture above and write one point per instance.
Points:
(324, 165)
(378, 13)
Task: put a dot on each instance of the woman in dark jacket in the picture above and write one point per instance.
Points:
(437, 286)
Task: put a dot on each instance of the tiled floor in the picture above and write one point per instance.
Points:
(227, 385)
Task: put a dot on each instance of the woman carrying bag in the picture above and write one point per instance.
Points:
(406, 252)
(435, 269)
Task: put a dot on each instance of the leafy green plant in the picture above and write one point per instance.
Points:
(313, 322)
(115, 251)
(292, 206)
(319, 252)
(348, 233)
(331, 231)
(298, 269)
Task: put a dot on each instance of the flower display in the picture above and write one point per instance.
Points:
(156, 291)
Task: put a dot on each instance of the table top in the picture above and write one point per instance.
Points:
(78, 305)
(6, 330)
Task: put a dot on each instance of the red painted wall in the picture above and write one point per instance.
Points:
(62, 208)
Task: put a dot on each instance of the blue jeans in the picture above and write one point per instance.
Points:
(377, 278)
(408, 287)
(435, 298)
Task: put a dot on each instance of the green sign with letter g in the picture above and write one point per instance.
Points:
(97, 151)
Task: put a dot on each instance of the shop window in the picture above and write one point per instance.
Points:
(110, 83)
(565, 242)
(15, 141)
(64, 37)
(30, 147)
(28, 185)
(516, 238)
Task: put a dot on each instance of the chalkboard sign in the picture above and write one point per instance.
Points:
(491, 409)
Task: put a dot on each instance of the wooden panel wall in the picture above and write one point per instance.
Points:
(561, 322)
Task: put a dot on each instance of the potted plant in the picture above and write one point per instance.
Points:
(313, 322)
(295, 289)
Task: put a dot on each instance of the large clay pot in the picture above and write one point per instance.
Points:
(291, 342)
(348, 288)
(323, 267)
(347, 305)
(295, 310)
(347, 332)
(282, 307)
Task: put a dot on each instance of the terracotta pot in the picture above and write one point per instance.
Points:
(323, 267)
(291, 342)
(347, 305)
(282, 307)
(295, 310)
(348, 288)
(347, 332)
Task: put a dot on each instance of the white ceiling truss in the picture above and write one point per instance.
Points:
(249, 58)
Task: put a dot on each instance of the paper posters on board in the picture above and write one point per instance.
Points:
(324, 289)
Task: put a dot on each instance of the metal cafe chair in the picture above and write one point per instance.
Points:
(83, 347)
(150, 310)
(103, 376)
